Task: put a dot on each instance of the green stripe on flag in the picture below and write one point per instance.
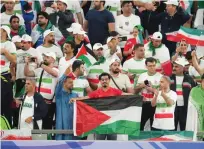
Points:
(85, 60)
(120, 127)
(95, 71)
(162, 105)
(45, 80)
(196, 32)
(78, 89)
(137, 71)
(178, 86)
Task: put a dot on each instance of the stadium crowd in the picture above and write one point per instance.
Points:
(56, 52)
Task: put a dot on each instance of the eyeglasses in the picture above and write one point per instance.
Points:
(183, 45)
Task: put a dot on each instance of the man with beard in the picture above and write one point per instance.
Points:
(49, 45)
(16, 28)
(46, 76)
(99, 19)
(43, 25)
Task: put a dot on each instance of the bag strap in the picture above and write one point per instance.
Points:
(40, 80)
(116, 83)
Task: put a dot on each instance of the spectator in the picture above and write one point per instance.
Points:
(68, 59)
(62, 18)
(114, 7)
(43, 25)
(118, 80)
(8, 56)
(85, 5)
(16, 29)
(104, 91)
(49, 45)
(182, 85)
(17, 41)
(130, 43)
(156, 49)
(46, 76)
(192, 71)
(138, 60)
(99, 19)
(146, 85)
(99, 67)
(5, 16)
(64, 110)
(33, 108)
(199, 69)
(165, 102)
(126, 21)
(112, 51)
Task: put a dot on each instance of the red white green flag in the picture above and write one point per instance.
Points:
(109, 115)
(16, 134)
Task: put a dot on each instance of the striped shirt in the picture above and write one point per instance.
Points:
(179, 90)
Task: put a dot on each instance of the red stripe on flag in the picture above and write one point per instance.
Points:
(82, 51)
(3, 62)
(44, 90)
(191, 41)
(131, 81)
(173, 37)
(93, 80)
(164, 115)
(167, 67)
(148, 95)
(179, 92)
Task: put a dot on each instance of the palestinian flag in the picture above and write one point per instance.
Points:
(86, 55)
(109, 115)
(192, 36)
(164, 136)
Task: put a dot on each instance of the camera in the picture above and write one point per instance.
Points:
(124, 38)
(32, 59)
(146, 82)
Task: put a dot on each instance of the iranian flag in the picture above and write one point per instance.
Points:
(192, 36)
(163, 136)
(14, 134)
(86, 55)
(109, 115)
(173, 36)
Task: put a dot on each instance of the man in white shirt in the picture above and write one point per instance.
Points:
(146, 85)
(8, 56)
(126, 21)
(48, 45)
(47, 76)
(5, 16)
(33, 108)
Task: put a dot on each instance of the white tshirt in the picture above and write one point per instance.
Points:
(136, 67)
(192, 71)
(11, 48)
(164, 114)
(154, 82)
(113, 6)
(21, 55)
(48, 84)
(179, 90)
(5, 19)
(64, 64)
(27, 111)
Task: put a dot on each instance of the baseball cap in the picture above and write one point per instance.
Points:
(97, 46)
(114, 60)
(63, 1)
(47, 32)
(172, 2)
(7, 29)
(109, 39)
(26, 38)
(181, 61)
(50, 54)
(74, 26)
(157, 36)
(16, 38)
(78, 31)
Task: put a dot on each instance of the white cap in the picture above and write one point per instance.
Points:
(50, 54)
(74, 26)
(47, 32)
(109, 39)
(64, 1)
(181, 61)
(7, 29)
(157, 36)
(78, 31)
(97, 46)
(114, 60)
(26, 38)
(172, 2)
(16, 38)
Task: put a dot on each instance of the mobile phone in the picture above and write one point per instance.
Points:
(146, 82)
(124, 38)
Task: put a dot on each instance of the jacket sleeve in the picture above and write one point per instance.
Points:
(42, 108)
(67, 16)
(183, 15)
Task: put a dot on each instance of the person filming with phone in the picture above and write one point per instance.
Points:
(146, 85)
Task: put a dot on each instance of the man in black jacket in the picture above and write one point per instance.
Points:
(33, 108)
(62, 18)
(182, 84)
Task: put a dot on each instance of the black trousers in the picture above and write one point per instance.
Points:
(6, 97)
(48, 122)
(180, 116)
(147, 113)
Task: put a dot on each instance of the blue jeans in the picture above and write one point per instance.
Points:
(103, 136)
